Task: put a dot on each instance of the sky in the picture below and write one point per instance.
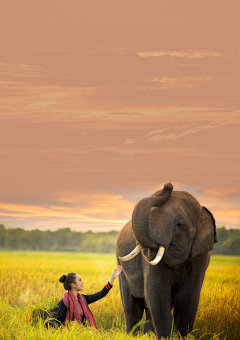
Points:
(103, 102)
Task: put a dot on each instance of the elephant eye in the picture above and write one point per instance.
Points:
(179, 224)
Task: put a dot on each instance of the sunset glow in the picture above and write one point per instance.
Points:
(102, 103)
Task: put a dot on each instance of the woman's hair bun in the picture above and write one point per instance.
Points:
(63, 278)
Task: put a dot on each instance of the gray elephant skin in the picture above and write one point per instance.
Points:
(176, 221)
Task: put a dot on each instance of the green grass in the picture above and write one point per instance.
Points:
(222, 260)
(29, 281)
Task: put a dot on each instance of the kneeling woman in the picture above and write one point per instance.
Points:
(74, 306)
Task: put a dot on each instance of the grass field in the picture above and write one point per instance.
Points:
(29, 282)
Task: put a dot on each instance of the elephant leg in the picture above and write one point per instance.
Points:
(158, 298)
(185, 309)
(133, 307)
(187, 296)
(133, 311)
(148, 327)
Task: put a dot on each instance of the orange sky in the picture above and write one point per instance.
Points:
(103, 102)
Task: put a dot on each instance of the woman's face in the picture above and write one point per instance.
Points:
(79, 283)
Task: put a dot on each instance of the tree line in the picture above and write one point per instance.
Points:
(60, 240)
(100, 242)
(228, 242)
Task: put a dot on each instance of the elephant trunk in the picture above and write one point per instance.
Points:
(140, 218)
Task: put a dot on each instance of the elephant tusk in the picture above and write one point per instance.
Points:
(158, 257)
(132, 254)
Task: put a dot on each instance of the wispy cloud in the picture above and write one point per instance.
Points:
(190, 54)
(17, 71)
(168, 83)
(158, 135)
(88, 104)
(131, 141)
(125, 152)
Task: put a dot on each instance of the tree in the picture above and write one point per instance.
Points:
(231, 246)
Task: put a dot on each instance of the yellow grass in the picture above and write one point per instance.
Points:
(29, 281)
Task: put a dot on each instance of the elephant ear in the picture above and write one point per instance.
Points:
(206, 234)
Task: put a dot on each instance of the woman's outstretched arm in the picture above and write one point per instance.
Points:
(99, 295)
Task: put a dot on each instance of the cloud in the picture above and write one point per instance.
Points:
(109, 211)
(190, 54)
(223, 202)
(125, 152)
(159, 131)
(194, 152)
(131, 141)
(18, 71)
(35, 104)
(101, 210)
(168, 83)
(187, 130)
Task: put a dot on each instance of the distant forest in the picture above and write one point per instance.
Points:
(99, 242)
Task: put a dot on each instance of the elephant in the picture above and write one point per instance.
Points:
(165, 251)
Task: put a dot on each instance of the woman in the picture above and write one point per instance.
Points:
(74, 306)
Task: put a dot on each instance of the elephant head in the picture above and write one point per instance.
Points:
(171, 226)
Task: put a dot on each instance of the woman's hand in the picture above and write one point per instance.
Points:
(115, 274)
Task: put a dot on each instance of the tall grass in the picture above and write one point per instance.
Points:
(29, 281)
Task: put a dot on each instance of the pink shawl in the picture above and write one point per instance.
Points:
(76, 310)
